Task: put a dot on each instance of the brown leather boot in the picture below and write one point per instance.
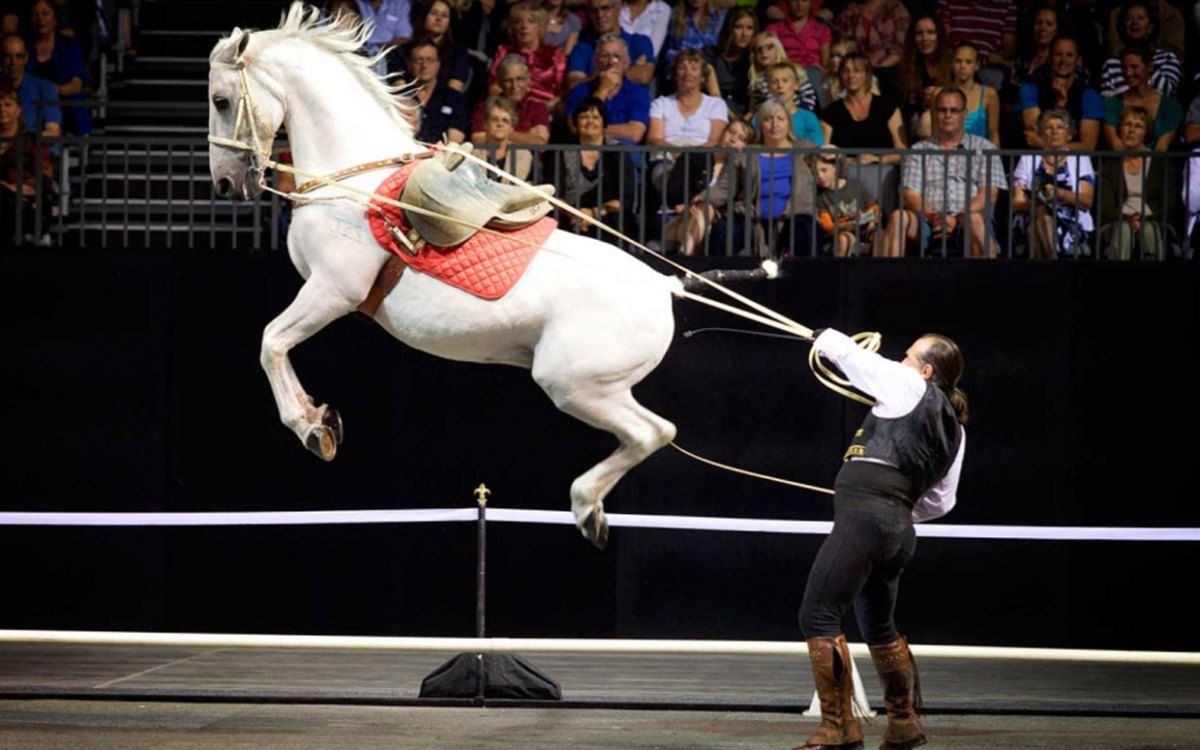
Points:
(901, 694)
(830, 659)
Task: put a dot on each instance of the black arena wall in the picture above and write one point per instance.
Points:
(132, 383)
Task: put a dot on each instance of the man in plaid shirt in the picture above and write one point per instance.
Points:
(939, 187)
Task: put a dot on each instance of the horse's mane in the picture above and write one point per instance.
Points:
(342, 36)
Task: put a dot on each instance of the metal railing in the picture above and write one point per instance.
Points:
(156, 192)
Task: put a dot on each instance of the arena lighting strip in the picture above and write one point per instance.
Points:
(616, 520)
(564, 646)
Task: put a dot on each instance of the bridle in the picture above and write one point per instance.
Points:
(247, 116)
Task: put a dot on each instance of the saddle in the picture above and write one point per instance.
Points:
(460, 197)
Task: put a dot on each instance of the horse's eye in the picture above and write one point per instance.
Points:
(221, 103)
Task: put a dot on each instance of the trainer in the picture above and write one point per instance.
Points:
(902, 466)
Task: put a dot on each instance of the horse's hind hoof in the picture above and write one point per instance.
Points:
(322, 441)
(595, 529)
(333, 421)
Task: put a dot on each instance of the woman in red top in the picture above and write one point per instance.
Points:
(880, 27)
(805, 39)
(547, 64)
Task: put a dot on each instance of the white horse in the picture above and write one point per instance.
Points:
(587, 319)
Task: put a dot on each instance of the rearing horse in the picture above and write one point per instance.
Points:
(586, 319)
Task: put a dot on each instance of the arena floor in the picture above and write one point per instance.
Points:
(128, 697)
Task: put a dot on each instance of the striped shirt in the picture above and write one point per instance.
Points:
(980, 22)
(1166, 76)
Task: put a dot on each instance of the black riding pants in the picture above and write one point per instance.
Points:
(861, 560)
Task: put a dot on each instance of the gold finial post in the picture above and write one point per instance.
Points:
(481, 494)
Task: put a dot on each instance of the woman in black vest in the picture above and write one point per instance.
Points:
(902, 466)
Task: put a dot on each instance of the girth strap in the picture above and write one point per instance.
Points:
(385, 282)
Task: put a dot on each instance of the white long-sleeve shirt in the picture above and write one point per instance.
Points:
(897, 389)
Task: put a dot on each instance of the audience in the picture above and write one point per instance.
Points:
(1056, 191)
(435, 19)
(391, 24)
(532, 120)
(695, 24)
(724, 222)
(983, 103)
(21, 161)
(861, 119)
(1138, 195)
(767, 51)
(603, 19)
(498, 129)
(563, 25)
(847, 213)
(990, 25)
(626, 103)
(805, 39)
(1137, 25)
(601, 184)
(1046, 22)
(650, 18)
(1172, 28)
(1062, 89)
(38, 97)
(729, 60)
(924, 70)
(443, 110)
(58, 59)
(689, 117)
(880, 28)
(783, 84)
(547, 64)
(1137, 64)
(831, 87)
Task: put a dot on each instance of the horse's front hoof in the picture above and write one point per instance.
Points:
(595, 529)
(333, 421)
(322, 441)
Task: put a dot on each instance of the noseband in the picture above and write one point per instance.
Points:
(260, 159)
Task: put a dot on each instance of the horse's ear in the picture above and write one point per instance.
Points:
(234, 46)
(241, 45)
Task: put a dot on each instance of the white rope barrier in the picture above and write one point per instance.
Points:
(616, 520)
(562, 646)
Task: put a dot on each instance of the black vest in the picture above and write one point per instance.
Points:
(922, 444)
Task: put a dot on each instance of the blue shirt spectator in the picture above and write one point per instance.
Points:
(64, 67)
(30, 89)
(582, 59)
(604, 17)
(1081, 101)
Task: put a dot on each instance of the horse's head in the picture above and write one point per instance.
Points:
(244, 112)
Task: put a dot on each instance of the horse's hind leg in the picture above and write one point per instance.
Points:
(639, 431)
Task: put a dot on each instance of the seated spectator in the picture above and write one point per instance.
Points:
(563, 25)
(391, 25)
(1138, 65)
(38, 98)
(1062, 89)
(767, 51)
(832, 84)
(689, 117)
(687, 232)
(443, 110)
(59, 60)
(21, 161)
(1138, 26)
(983, 103)
(547, 64)
(1046, 22)
(1137, 195)
(604, 19)
(695, 24)
(783, 84)
(879, 27)
(10, 17)
(650, 18)
(626, 104)
(861, 119)
(805, 39)
(1056, 190)
(924, 70)
(938, 192)
(434, 20)
(532, 123)
(990, 25)
(501, 116)
(1191, 131)
(729, 61)
(774, 185)
(331, 9)
(847, 213)
(601, 184)
(1172, 31)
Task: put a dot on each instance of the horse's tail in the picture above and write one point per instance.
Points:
(695, 285)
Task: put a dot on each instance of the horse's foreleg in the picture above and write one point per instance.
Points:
(318, 427)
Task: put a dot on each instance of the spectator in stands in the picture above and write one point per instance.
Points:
(1137, 64)
(434, 20)
(861, 119)
(547, 64)
(650, 18)
(59, 60)
(983, 103)
(767, 51)
(805, 39)
(1172, 29)
(1065, 89)
(729, 60)
(783, 84)
(600, 183)
(1137, 195)
(1056, 190)
(695, 24)
(880, 27)
(391, 24)
(991, 25)
(626, 103)
(689, 117)
(1191, 131)
(20, 163)
(563, 25)
(331, 9)
(832, 84)
(30, 89)
(443, 110)
(924, 70)
(1137, 26)
(725, 221)
(847, 213)
(775, 185)
(10, 17)
(603, 18)
(941, 187)
(1046, 22)
(498, 127)
(532, 123)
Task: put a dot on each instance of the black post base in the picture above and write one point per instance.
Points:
(505, 676)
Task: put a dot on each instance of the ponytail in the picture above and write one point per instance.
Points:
(958, 399)
(947, 361)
